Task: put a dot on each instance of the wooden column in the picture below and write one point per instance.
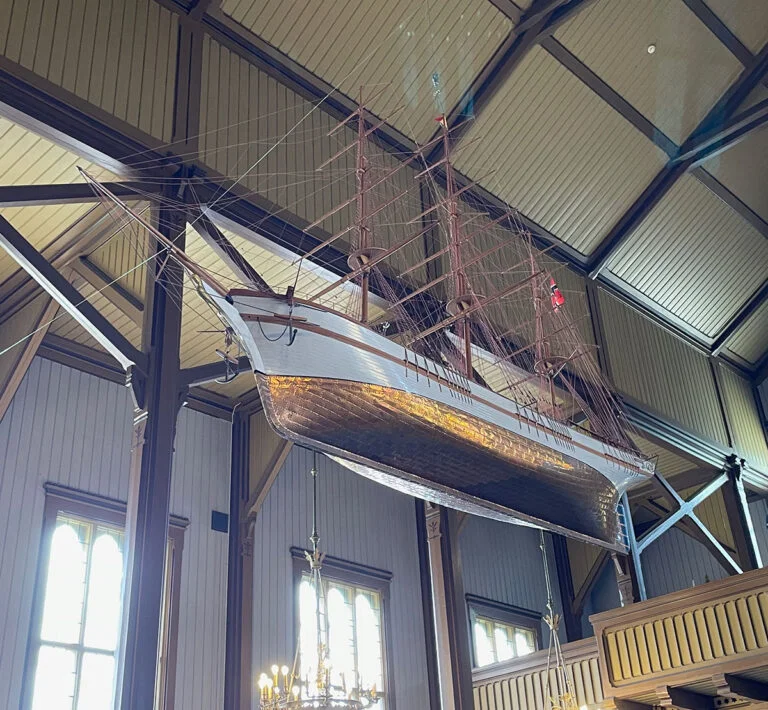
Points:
(739, 519)
(237, 667)
(571, 620)
(427, 604)
(450, 610)
(157, 400)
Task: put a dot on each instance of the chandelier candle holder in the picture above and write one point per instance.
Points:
(283, 689)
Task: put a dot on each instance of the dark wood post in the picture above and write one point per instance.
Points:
(237, 667)
(739, 519)
(565, 583)
(157, 398)
(450, 609)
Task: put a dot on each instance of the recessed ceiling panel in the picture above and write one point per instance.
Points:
(695, 257)
(747, 19)
(743, 169)
(750, 342)
(549, 146)
(395, 45)
(675, 85)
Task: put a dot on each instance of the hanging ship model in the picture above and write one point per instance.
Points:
(394, 390)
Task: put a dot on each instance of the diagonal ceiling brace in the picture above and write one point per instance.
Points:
(69, 298)
(227, 252)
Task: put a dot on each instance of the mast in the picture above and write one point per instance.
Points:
(362, 223)
(462, 299)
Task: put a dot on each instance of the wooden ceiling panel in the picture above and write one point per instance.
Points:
(747, 19)
(560, 154)
(41, 226)
(743, 169)
(384, 42)
(695, 257)
(750, 342)
(675, 86)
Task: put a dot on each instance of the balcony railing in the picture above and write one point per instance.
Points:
(700, 649)
(521, 684)
(696, 646)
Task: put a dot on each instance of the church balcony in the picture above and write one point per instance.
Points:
(698, 649)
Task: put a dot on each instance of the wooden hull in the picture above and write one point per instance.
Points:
(435, 451)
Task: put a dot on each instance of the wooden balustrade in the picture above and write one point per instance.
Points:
(700, 649)
(521, 684)
(691, 642)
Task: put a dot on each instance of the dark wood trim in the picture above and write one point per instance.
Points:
(580, 598)
(111, 288)
(739, 318)
(612, 97)
(69, 298)
(23, 353)
(427, 608)
(158, 397)
(718, 28)
(697, 146)
(714, 370)
(506, 614)
(72, 193)
(100, 509)
(237, 675)
(212, 372)
(571, 613)
(81, 357)
(741, 208)
(451, 614)
(538, 22)
(739, 518)
(359, 575)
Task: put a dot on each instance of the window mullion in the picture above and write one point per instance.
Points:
(83, 614)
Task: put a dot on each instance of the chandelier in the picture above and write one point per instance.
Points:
(561, 692)
(284, 689)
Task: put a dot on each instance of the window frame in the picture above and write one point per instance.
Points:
(359, 575)
(96, 509)
(527, 619)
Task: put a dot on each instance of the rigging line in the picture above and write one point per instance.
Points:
(334, 88)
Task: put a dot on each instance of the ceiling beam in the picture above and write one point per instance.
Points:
(111, 288)
(536, 24)
(706, 178)
(226, 251)
(211, 372)
(719, 138)
(68, 297)
(509, 9)
(718, 28)
(612, 97)
(761, 370)
(72, 193)
(290, 73)
(16, 357)
(739, 318)
(720, 117)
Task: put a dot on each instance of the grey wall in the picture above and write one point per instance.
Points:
(359, 521)
(503, 562)
(674, 562)
(74, 429)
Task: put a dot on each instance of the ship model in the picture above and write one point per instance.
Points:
(393, 387)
